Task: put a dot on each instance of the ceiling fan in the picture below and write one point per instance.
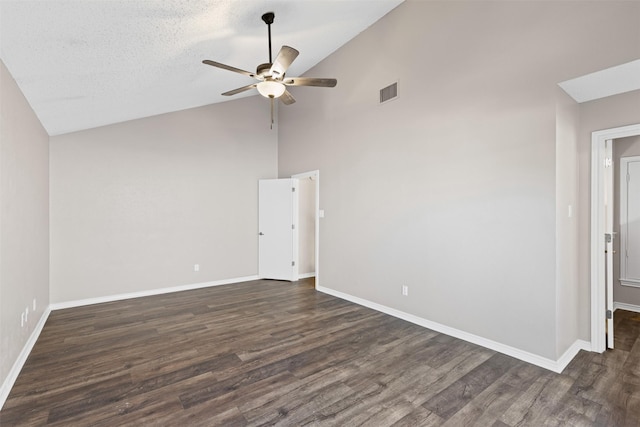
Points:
(272, 82)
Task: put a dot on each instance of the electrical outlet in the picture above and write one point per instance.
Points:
(405, 290)
(196, 267)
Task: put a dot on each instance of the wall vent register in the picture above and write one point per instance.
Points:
(388, 93)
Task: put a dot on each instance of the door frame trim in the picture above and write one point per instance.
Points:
(598, 300)
(315, 174)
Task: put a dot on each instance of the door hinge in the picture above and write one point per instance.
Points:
(293, 189)
(293, 226)
(609, 314)
(608, 237)
(293, 263)
(608, 162)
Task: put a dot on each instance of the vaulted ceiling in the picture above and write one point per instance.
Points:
(83, 64)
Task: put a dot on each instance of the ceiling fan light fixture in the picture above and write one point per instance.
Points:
(271, 89)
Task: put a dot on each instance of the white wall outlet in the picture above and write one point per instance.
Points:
(321, 213)
(405, 290)
(570, 211)
(196, 267)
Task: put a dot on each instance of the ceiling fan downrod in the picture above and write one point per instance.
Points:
(268, 19)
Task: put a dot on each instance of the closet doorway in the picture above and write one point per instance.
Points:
(309, 214)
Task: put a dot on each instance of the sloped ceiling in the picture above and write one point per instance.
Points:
(600, 84)
(83, 64)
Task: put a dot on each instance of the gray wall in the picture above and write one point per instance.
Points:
(24, 220)
(451, 189)
(135, 205)
(623, 147)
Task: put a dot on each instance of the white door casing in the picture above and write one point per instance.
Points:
(609, 235)
(597, 258)
(277, 229)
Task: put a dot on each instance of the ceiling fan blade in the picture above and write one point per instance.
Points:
(228, 67)
(287, 98)
(283, 61)
(309, 81)
(240, 89)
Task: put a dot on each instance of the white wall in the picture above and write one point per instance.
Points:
(623, 147)
(135, 205)
(24, 222)
(451, 189)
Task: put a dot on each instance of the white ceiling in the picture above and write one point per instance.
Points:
(83, 64)
(607, 82)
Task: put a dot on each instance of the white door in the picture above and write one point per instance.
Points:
(609, 236)
(277, 229)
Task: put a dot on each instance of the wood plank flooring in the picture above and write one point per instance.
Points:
(276, 353)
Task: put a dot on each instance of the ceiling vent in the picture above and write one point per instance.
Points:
(388, 93)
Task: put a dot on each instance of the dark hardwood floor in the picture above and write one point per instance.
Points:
(269, 352)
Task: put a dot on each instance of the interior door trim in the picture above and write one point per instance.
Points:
(598, 300)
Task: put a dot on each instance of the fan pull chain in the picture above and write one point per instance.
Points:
(271, 113)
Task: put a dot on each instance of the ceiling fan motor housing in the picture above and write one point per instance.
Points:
(264, 70)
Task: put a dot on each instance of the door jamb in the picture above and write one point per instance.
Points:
(316, 175)
(598, 301)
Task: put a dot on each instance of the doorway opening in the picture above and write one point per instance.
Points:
(626, 328)
(600, 161)
(309, 225)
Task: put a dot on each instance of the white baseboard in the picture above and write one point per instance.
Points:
(22, 358)
(571, 352)
(307, 275)
(119, 297)
(552, 365)
(625, 306)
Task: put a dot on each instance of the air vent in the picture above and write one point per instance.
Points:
(388, 93)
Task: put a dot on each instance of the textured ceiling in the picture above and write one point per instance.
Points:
(83, 64)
